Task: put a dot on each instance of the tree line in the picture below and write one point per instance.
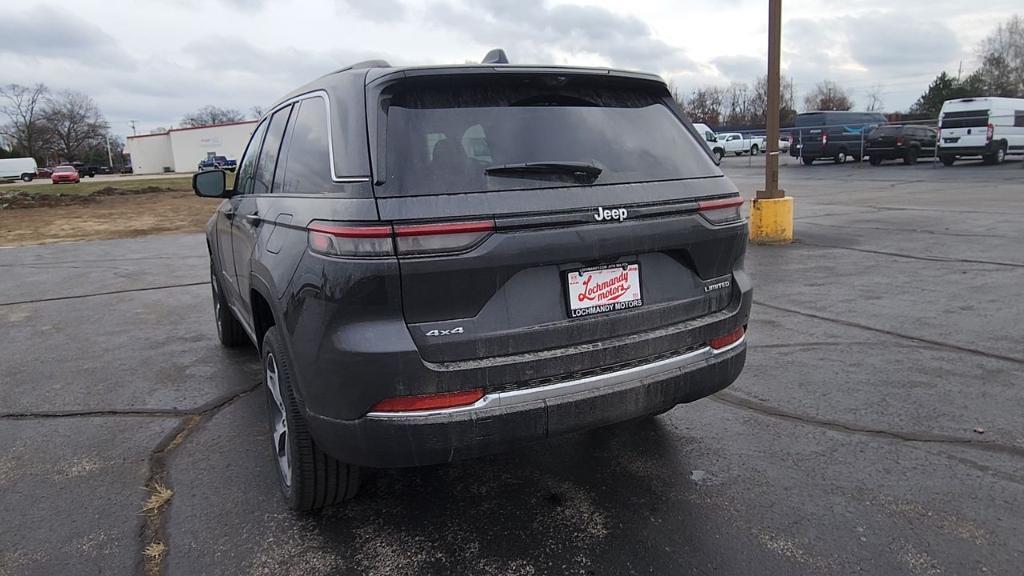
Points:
(740, 106)
(54, 127)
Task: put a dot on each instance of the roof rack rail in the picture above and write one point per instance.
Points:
(496, 56)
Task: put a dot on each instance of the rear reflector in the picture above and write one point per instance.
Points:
(727, 340)
(429, 401)
(721, 211)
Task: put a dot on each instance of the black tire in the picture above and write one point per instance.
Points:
(720, 153)
(910, 158)
(754, 150)
(875, 160)
(27, 177)
(840, 157)
(309, 479)
(947, 160)
(997, 157)
(807, 160)
(229, 329)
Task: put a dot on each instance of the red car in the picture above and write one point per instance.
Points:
(65, 174)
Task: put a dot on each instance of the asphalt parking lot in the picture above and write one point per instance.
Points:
(877, 427)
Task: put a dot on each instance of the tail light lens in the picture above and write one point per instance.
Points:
(429, 401)
(332, 239)
(989, 132)
(382, 240)
(436, 238)
(721, 211)
(727, 340)
(899, 140)
(824, 137)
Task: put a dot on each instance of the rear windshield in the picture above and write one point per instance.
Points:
(441, 136)
(965, 119)
(804, 120)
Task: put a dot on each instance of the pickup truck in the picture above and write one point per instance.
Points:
(739, 144)
(218, 163)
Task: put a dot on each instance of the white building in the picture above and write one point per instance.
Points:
(181, 149)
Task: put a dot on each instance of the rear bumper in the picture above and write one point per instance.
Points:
(502, 420)
(954, 150)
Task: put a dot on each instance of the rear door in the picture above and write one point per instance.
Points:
(496, 261)
(228, 212)
(964, 127)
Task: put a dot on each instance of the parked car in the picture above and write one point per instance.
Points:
(127, 169)
(598, 249)
(738, 144)
(900, 142)
(784, 143)
(217, 163)
(44, 172)
(24, 169)
(65, 173)
(988, 127)
(835, 135)
(710, 140)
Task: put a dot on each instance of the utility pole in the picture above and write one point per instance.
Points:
(771, 213)
(132, 124)
(110, 157)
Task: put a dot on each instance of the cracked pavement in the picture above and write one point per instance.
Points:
(879, 342)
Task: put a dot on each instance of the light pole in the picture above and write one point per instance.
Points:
(771, 212)
(110, 157)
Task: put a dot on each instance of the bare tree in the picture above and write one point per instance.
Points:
(1002, 56)
(759, 102)
(25, 129)
(874, 96)
(257, 111)
(75, 123)
(705, 105)
(737, 104)
(211, 116)
(827, 95)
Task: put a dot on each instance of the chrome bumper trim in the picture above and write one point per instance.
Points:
(513, 397)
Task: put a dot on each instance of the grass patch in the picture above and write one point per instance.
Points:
(159, 495)
(89, 186)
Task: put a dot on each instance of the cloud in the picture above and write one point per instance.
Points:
(47, 32)
(741, 68)
(373, 10)
(532, 32)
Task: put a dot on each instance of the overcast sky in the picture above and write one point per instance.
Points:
(154, 61)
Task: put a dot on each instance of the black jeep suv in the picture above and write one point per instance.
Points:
(907, 143)
(442, 262)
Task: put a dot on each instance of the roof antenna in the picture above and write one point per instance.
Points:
(496, 56)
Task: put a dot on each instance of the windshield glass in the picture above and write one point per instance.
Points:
(887, 131)
(64, 169)
(442, 138)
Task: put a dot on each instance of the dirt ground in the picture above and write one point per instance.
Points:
(105, 217)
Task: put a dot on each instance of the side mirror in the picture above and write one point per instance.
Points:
(210, 184)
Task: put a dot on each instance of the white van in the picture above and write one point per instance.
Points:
(711, 140)
(986, 127)
(18, 168)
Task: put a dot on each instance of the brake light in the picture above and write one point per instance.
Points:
(727, 340)
(899, 140)
(721, 211)
(333, 239)
(378, 240)
(429, 401)
(447, 237)
(824, 137)
(989, 132)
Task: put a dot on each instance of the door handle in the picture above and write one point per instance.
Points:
(253, 219)
(229, 214)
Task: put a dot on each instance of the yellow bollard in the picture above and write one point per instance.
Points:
(771, 220)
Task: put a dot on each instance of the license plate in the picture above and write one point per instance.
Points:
(603, 289)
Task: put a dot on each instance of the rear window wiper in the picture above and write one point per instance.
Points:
(577, 170)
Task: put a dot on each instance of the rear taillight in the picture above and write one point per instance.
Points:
(989, 132)
(419, 239)
(899, 140)
(722, 211)
(333, 239)
(379, 240)
(429, 401)
(824, 137)
(727, 340)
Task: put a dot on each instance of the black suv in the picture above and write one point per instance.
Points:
(907, 143)
(442, 262)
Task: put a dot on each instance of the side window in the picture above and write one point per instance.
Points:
(308, 157)
(1018, 118)
(263, 177)
(243, 180)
